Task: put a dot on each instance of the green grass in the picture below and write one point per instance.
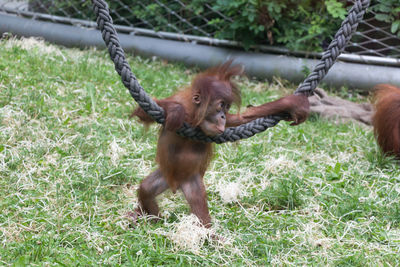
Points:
(70, 161)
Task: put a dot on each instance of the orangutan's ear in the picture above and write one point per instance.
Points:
(196, 99)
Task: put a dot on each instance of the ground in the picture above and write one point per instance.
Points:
(70, 161)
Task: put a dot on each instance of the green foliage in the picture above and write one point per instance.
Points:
(295, 24)
(298, 25)
(389, 12)
(336, 9)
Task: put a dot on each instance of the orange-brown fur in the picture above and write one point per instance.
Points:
(204, 104)
(386, 119)
(179, 157)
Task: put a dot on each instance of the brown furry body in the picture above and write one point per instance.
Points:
(386, 120)
(205, 104)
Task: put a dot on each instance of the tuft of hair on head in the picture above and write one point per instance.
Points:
(216, 82)
(225, 72)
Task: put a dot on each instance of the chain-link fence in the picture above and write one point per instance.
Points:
(189, 21)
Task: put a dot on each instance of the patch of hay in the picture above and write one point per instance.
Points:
(230, 192)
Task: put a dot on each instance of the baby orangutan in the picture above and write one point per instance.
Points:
(205, 104)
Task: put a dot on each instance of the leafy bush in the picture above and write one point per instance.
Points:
(296, 24)
(389, 12)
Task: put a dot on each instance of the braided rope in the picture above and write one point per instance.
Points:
(110, 37)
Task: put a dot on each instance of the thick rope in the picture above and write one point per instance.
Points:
(110, 37)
